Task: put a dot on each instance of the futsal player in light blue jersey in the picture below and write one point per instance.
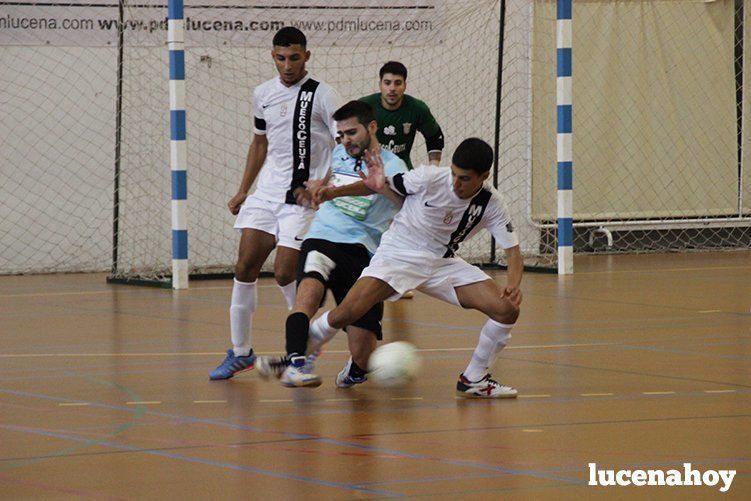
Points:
(338, 246)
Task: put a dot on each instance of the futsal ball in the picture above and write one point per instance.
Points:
(393, 364)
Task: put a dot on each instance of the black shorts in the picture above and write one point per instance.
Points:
(339, 274)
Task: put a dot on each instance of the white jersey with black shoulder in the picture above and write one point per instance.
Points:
(298, 123)
(434, 220)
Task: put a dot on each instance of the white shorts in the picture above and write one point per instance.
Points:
(288, 223)
(434, 276)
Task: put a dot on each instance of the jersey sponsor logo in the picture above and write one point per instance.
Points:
(395, 148)
(407, 126)
(448, 218)
(428, 205)
(470, 219)
(283, 110)
(510, 227)
(390, 130)
(301, 124)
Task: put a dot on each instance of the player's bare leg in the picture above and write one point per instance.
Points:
(285, 266)
(255, 247)
(489, 298)
(366, 293)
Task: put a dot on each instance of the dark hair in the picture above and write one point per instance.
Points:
(289, 36)
(473, 154)
(393, 67)
(363, 111)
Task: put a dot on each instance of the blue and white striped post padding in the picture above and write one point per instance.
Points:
(178, 151)
(564, 137)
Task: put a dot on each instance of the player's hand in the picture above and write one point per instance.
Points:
(322, 194)
(376, 178)
(302, 196)
(235, 202)
(513, 294)
(312, 188)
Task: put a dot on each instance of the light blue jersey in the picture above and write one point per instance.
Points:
(355, 220)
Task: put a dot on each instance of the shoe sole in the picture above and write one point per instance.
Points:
(481, 397)
(305, 384)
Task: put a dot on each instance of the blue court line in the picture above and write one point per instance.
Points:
(303, 436)
(554, 425)
(190, 459)
(139, 411)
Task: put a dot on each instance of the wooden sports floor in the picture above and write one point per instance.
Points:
(634, 362)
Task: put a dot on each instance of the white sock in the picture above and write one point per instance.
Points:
(290, 293)
(244, 299)
(321, 332)
(493, 338)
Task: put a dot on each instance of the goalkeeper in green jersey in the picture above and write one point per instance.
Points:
(400, 116)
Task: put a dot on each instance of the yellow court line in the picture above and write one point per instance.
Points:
(112, 291)
(658, 393)
(596, 394)
(532, 431)
(73, 404)
(719, 391)
(218, 353)
(534, 396)
(660, 270)
(144, 402)
(710, 311)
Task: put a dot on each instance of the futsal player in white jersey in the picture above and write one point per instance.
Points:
(293, 133)
(343, 236)
(442, 208)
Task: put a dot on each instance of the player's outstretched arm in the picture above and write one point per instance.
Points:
(326, 193)
(514, 275)
(376, 178)
(253, 163)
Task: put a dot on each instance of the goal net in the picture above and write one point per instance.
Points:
(449, 48)
(659, 119)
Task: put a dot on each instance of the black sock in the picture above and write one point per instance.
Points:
(297, 333)
(356, 372)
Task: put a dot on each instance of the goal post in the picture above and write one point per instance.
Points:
(448, 69)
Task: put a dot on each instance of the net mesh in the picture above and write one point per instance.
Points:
(660, 120)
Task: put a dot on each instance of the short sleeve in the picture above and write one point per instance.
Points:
(498, 222)
(259, 121)
(330, 102)
(411, 182)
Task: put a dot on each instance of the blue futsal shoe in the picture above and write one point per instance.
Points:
(232, 365)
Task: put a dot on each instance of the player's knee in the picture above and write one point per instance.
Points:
(245, 272)
(284, 274)
(284, 278)
(506, 313)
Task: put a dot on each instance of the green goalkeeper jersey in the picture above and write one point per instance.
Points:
(396, 129)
